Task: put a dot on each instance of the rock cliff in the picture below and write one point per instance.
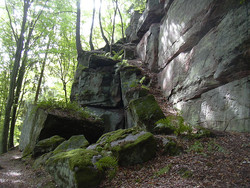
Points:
(200, 52)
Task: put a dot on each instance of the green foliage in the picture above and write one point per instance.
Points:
(164, 170)
(117, 55)
(214, 147)
(197, 147)
(109, 165)
(175, 123)
(72, 107)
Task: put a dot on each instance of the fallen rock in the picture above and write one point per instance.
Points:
(145, 112)
(75, 142)
(41, 124)
(47, 145)
(129, 146)
(79, 168)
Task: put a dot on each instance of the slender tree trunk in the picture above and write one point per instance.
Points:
(121, 23)
(65, 90)
(107, 47)
(91, 29)
(113, 30)
(42, 72)
(10, 100)
(78, 37)
(20, 80)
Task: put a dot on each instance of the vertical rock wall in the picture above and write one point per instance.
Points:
(202, 57)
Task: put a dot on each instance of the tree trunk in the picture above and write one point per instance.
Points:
(19, 49)
(121, 23)
(91, 29)
(42, 72)
(78, 37)
(107, 47)
(20, 80)
(113, 30)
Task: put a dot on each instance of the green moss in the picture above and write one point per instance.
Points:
(79, 158)
(174, 124)
(54, 140)
(109, 165)
(27, 151)
(172, 148)
(146, 111)
(185, 173)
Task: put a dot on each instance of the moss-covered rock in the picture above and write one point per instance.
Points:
(47, 145)
(129, 146)
(145, 112)
(75, 142)
(77, 168)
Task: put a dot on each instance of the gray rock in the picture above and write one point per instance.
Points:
(131, 29)
(145, 112)
(147, 49)
(97, 88)
(40, 124)
(75, 142)
(224, 108)
(153, 13)
(76, 168)
(47, 145)
(113, 118)
(129, 146)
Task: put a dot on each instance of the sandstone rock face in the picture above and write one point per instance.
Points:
(147, 49)
(130, 34)
(153, 14)
(202, 52)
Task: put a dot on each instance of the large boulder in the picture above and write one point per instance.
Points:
(41, 123)
(47, 145)
(145, 112)
(98, 84)
(129, 146)
(79, 168)
(75, 142)
(113, 118)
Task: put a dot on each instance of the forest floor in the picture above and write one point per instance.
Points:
(17, 173)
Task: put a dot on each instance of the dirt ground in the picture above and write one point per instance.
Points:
(16, 173)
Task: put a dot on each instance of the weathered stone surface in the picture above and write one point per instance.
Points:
(153, 14)
(75, 142)
(202, 46)
(130, 31)
(145, 112)
(130, 77)
(75, 168)
(113, 118)
(41, 124)
(193, 60)
(129, 146)
(223, 108)
(47, 145)
(147, 49)
(97, 88)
